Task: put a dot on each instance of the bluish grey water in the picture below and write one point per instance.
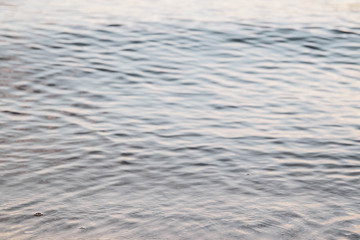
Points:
(180, 119)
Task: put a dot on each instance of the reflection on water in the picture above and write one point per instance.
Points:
(179, 119)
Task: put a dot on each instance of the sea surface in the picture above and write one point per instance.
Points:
(165, 119)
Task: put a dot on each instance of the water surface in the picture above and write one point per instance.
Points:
(180, 119)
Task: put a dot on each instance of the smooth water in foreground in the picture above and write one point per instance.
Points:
(180, 119)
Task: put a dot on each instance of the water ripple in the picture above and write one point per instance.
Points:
(195, 121)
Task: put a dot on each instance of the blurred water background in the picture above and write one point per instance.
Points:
(180, 119)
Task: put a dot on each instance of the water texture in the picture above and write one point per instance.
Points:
(179, 119)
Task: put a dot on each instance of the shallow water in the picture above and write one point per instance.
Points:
(180, 119)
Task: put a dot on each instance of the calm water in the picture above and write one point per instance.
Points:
(180, 119)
